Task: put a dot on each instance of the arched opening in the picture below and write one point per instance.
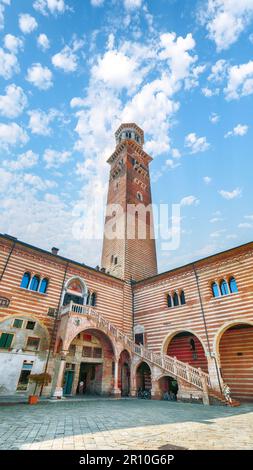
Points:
(143, 378)
(236, 360)
(168, 387)
(75, 291)
(124, 373)
(89, 365)
(186, 347)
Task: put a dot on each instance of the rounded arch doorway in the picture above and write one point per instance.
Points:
(235, 346)
(89, 364)
(187, 347)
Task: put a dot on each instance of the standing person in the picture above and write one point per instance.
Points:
(226, 392)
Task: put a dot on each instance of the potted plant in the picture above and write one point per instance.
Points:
(39, 379)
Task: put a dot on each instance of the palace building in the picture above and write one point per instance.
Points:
(125, 328)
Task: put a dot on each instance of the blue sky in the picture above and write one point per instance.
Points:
(72, 71)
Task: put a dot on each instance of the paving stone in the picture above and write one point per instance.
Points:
(125, 424)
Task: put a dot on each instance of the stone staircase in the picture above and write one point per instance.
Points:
(170, 365)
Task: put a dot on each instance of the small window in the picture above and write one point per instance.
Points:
(97, 353)
(215, 290)
(43, 286)
(87, 351)
(182, 298)
(116, 260)
(93, 299)
(224, 287)
(139, 196)
(24, 375)
(88, 298)
(169, 301)
(17, 323)
(6, 340)
(25, 280)
(30, 325)
(233, 285)
(35, 283)
(112, 258)
(32, 344)
(175, 300)
(139, 338)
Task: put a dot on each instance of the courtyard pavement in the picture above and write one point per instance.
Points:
(132, 424)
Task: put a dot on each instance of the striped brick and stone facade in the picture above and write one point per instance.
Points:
(123, 327)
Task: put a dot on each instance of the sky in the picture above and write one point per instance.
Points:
(72, 70)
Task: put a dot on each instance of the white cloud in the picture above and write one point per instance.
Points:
(50, 6)
(27, 23)
(13, 43)
(11, 135)
(8, 64)
(43, 42)
(248, 217)
(217, 234)
(189, 201)
(214, 118)
(207, 179)
(171, 164)
(54, 159)
(196, 144)
(176, 51)
(208, 93)
(3, 3)
(226, 20)
(117, 70)
(39, 121)
(132, 4)
(23, 161)
(240, 81)
(39, 76)
(66, 60)
(245, 225)
(230, 194)
(239, 130)
(175, 153)
(38, 183)
(13, 102)
(218, 71)
(214, 220)
(97, 3)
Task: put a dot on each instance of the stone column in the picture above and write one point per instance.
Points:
(214, 372)
(116, 391)
(58, 392)
(205, 389)
(155, 392)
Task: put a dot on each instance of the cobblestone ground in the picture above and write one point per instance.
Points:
(124, 424)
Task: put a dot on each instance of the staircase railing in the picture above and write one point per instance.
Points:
(192, 375)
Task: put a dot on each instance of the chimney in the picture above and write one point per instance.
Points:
(54, 250)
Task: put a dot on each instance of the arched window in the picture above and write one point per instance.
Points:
(215, 289)
(88, 298)
(43, 286)
(25, 280)
(139, 196)
(169, 301)
(175, 300)
(182, 298)
(35, 283)
(192, 344)
(233, 285)
(224, 287)
(93, 299)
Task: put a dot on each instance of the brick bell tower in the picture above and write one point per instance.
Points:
(132, 255)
